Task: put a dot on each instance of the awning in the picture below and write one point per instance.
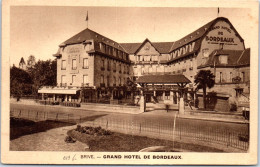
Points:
(58, 90)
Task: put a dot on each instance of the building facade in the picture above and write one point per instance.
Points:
(100, 66)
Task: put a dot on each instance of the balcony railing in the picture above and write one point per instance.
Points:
(63, 84)
(84, 84)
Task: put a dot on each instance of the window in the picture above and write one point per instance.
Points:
(114, 82)
(223, 59)
(150, 70)
(85, 79)
(101, 47)
(114, 67)
(73, 78)
(119, 81)
(119, 68)
(108, 65)
(85, 63)
(88, 46)
(242, 76)
(220, 77)
(108, 81)
(74, 66)
(63, 64)
(230, 76)
(102, 79)
(205, 52)
(142, 70)
(63, 79)
(102, 64)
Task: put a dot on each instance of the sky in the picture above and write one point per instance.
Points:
(38, 30)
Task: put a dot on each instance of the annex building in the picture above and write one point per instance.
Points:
(92, 67)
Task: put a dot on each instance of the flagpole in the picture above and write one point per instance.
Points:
(87, 19)
(218, 11)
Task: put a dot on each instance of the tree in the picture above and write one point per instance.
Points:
(20, 82)
(43, 73)
(204, 79)
(132, 86)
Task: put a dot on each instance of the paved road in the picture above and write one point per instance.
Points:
(155, 118)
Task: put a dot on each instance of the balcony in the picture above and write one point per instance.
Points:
(102, 85)
(84, 84)
(108, 69)
(114, 85)
(63, 84)
(183, 70)
(102, 69)
(120, 71)
(114, 70)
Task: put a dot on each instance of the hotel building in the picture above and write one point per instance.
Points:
(90, 66)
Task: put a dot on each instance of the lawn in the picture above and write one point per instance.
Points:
(118, 142)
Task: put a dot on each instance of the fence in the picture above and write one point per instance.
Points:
(163, 130)
(166, 131)
(43, 116)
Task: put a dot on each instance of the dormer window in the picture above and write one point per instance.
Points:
(205, 52)
(223, 59)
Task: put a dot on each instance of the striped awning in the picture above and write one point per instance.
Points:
(58, 90)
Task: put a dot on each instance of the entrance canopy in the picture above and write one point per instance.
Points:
(163, 79)
(58, 90)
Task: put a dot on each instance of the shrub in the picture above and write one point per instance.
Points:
(69, 139)
(96, 131)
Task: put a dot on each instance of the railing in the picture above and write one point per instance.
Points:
(63, 84)
(165, 130)
(44, 115)
(157, 129)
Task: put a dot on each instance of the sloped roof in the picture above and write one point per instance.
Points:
(244, 59)
(167, 79)
(161, 47)
(235, 58)
(198, 34)
(130, 48)
(88, 34)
